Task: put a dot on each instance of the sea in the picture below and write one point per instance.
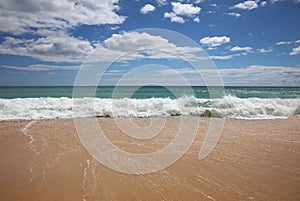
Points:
(149, 101)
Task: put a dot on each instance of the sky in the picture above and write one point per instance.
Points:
(241, 43)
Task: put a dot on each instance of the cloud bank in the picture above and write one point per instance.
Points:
(26, 16)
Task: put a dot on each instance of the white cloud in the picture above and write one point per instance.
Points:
(222, 57)
(177, 71)
(284, 43)
(61, 47)
(253, 69)
(199, 1)
(295, 51)
(197, 19)
(174, 18)
(185, 9)
(215, 41)
(162, 2)
(57, 47)
(264, 3)
(133, 45)
(263, 50)
(118, 48)
(18, 17)
(126, 46)
(234, 14)
(287, 42)
(180, 10)
(274, 1)
(47, 22)
(254, 75)
(243, 51)
(261, 75)
(211, 48)
(237, 48)
(42, 67)
(114, 27)
(134, 41)
(147, 8)
(247, 5)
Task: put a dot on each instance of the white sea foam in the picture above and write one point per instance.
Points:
(25, 131)
(228, 106)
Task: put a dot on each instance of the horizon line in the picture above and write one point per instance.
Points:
(35, 86)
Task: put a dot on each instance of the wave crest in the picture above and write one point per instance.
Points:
(228, 106)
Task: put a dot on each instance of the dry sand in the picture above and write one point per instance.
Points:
(254, 160)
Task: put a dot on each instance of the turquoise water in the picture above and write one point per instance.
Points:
(149, 92)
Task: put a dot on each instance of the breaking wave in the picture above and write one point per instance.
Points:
(228, 106)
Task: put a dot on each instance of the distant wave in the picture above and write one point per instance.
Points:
(228, 106)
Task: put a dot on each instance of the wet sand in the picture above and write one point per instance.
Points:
(253, 160)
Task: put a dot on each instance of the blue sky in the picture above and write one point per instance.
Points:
(251, 43)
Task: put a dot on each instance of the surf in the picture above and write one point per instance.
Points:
(228, 106)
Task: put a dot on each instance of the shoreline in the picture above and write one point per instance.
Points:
(145, 117)
(253, 160)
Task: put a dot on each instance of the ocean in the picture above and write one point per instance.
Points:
(150, 101)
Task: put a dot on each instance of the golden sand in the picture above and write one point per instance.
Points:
(254, 160)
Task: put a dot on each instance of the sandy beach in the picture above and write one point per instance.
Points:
(253, 160)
